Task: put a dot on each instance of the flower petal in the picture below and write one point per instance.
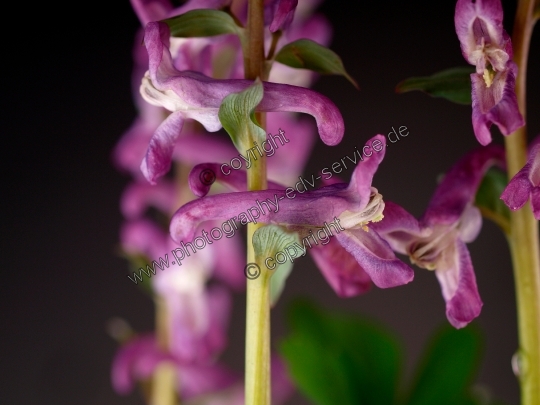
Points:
(376, 257)
(157, 161)
(458, 188)
(342, 271)
(151, 10)
(138, 196)
(362, 177)
(398, 227)
(134, 361)
(283, 14)
(458, 284)
(518, 190)
(312, 208)
(470, 13)
(495, 105)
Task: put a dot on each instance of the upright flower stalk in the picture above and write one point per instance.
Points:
(257, 349)
(523, 238)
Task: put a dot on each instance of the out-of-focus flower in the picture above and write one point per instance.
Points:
(437, 241)
(138, 358)
(486, 45)
(526, 183)
(355, 205)
(192, 95)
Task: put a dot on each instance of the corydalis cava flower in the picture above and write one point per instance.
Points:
(356, 205)
(525, 184)
(437, 241)
(192, 95)
(486, 45)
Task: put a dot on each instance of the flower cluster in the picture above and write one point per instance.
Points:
(181, 85)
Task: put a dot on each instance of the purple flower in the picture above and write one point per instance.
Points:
(437, 241)
(192, 95)
(138, 359)
(353, 206)
(486, 45)
(526, 183)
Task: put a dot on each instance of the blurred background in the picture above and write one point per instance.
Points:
(67, 100)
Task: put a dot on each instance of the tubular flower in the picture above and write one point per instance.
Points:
(192, 95)
(354, 206)
(486, 45)
(526, 183)
(437, 241)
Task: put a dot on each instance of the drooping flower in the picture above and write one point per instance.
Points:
(192, 95)
(486, 45)
(525, 184)
(354, 206)
(437, 241)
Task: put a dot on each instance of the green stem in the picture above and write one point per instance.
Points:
(523, 237)
(257, 377)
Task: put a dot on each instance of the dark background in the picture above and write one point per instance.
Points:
(66, 100)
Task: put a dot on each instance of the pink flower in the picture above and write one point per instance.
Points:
(525, 184)
(486, 45)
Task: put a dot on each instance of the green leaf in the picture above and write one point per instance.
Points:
(237, 115)
(445, 374)
(268, 241)
(307, 54)
(341, 359)
(488, 198)
(202, 23)
(452, 84)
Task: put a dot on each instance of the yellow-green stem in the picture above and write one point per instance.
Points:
(257, 377)
(523, 237)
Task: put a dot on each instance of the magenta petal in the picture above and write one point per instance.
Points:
(282, 387)
(458, 188)
(134, 361)
(312, 208)
(398, 227)
(283, 14)
(196, 147)
(526, 183)
(158, 157)
(229, 255)
(362, 176)
(151, 10)
(518, 191)
(495, 105)
(196, 380)
(376, 257)
(471, 12)
(342, 271)
(143, 237)
(137, 197)
(458, 284)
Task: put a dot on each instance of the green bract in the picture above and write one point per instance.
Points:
(237, 116)
(202, 23)
(268, 241)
